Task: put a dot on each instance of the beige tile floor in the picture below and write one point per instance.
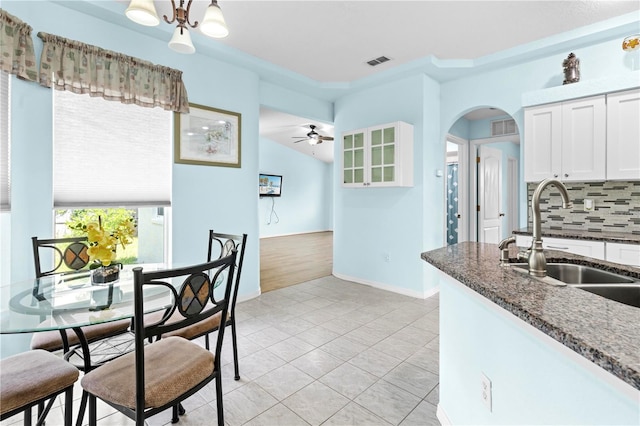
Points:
(324, 352)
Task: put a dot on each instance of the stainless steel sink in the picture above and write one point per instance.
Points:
(569, 273)
(603, 283)
(627, 294)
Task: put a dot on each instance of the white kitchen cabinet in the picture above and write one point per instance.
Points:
(626, 254)
(523, 241)
(378, 156)
(623, 135)
(566, 141)
(594, 249)
(542, 142)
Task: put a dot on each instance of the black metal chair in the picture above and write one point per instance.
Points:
(220, 245)
(160, 375)
(106, 340)
(69, 257)
(33, 378)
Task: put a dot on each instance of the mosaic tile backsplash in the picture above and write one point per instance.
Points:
(616, 207)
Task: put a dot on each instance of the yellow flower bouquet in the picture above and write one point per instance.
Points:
(103, 245)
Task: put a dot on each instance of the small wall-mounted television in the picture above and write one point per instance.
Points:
(270, 185)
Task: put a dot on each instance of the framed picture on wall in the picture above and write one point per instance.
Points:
(207, 136)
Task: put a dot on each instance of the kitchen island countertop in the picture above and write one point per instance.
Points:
(603, 331)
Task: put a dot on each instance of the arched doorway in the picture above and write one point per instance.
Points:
(482, 180)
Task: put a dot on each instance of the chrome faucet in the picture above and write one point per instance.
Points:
(537, 260)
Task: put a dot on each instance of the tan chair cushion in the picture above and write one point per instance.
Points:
(172, 366)
(52, 341)
(194, 330)
(190, 332)
(33, 375)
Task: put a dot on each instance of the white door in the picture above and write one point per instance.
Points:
(490, 195)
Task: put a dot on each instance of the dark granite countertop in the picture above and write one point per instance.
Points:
(611, 237)
(603, 331)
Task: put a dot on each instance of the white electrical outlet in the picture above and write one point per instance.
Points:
(588, 205)
(486, 391)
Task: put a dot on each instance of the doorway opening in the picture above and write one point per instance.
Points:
(456, 206)
(489, 210)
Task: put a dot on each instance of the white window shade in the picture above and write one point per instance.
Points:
(110, 154)
(5, 200)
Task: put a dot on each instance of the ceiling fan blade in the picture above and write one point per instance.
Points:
(326, 138)
(301, 140)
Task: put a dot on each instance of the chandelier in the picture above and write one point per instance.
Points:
(213, 24)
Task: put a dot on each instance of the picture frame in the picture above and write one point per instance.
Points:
(207, 136)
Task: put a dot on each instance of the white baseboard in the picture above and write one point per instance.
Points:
(295, 233)
(431, 292)
(442, 416)
(387, 287)
(244, 297)
(405, 292)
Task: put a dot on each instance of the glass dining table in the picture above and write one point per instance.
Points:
(59, 302)
(72, 301)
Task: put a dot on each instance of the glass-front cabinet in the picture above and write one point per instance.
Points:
(353, 157)
(378, 156)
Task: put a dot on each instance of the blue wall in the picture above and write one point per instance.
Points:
(371, 223)
(306, 204)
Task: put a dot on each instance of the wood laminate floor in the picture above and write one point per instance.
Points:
(294, 259)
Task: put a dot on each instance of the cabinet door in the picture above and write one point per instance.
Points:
(584, 139)
(542, 142)
(353, 159)
(625, 254)
(383, 145)
(623, 135)
(594, 249)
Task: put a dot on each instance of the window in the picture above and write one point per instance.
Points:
(112, 159)
(5, 200)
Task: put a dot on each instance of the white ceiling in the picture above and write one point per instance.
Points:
(331, 41)
(327, 43)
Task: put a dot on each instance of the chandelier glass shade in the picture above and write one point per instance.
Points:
(181, 41)
(213, 24)
(143, 12)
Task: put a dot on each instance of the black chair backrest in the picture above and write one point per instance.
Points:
(195, 293)
(69, 255)
(221, 245)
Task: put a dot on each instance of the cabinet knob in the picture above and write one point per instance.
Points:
(566, 175)
(501, 215)
(555, 176)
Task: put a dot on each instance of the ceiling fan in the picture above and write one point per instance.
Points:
(313, 137)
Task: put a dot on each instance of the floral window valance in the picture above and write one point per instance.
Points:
(81, 68)
(16, 48)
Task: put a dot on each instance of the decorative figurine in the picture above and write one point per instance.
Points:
(571, 69)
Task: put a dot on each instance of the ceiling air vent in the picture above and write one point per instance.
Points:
(378, 61)
(503, 127)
